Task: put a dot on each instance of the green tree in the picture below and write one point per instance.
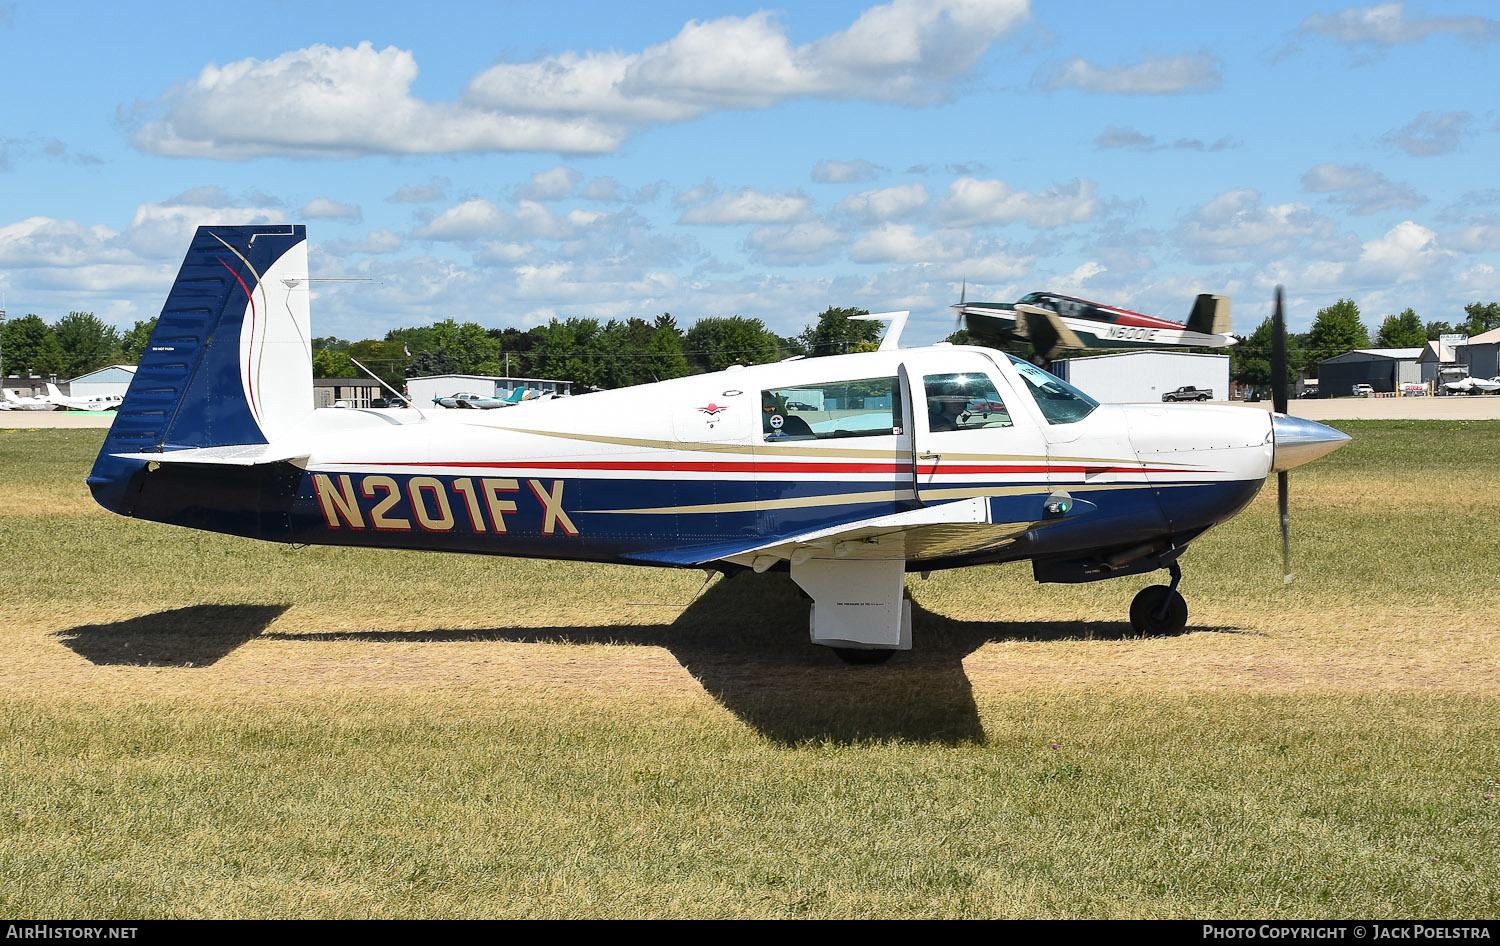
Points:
(328, 363)
(1483, 316)
(1437, 329)
(29, 345)
(664, 357)
(1337, 330)
(716, 343)
(566, 351)
(1401, 331)
(87, 343)
(1250, 360)
(133, 341)
(837, 334)
(386, 359)
(515, 348)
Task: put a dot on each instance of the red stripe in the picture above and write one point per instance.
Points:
(724, 467)
(249, 380)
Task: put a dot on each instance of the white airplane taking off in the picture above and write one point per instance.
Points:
(846, 471)
(100, 402)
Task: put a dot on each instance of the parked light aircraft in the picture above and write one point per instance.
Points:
(100, 402)
(913, 460)
(1473, 385)
(480, 402)
(35, 402)
(1052, 323)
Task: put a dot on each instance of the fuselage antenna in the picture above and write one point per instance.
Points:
(381, 382)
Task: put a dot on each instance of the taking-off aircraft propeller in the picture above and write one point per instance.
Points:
(846, 471)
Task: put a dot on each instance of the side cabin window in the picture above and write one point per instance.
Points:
(830, 410)
(1059, 401)
(966, 401)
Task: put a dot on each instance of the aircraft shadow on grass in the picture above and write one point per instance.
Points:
(197, 636)
(744, 639)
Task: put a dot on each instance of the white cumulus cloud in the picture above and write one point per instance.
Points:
(346, 101)
(1359, 188)
(887, 203)
(901, 243)
(469, 220)
(972, 201)
(843, 172)
(555, 184)
(803, 243)
(1387, 24)
(1154, 76)
(323, 208)
(750, 206)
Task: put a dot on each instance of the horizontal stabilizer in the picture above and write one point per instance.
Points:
(1047, 332)
(252, 454)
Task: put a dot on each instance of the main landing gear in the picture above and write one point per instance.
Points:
(856, 657)
(1160, 611)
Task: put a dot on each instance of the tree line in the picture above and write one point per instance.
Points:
(75, 344)
(621, 352)
(1337, 330)
(591, 354)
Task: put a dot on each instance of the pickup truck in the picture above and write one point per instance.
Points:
(1189, 393)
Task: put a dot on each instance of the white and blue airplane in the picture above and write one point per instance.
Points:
(892, 461)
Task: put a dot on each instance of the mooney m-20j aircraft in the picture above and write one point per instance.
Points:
(893, 461)
(1053, 323)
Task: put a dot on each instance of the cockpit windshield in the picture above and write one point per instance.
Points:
(1059, 401)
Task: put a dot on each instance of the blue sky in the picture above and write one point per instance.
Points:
(508, 163)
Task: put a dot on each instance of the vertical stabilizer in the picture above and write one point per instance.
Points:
(230, 360)
(1210, 315)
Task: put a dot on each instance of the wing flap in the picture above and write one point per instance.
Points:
(965, 511)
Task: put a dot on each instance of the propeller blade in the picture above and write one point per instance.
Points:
(1286, 528)
(1278, 403)
(1278, 357)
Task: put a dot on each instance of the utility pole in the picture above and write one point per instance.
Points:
(2, 339)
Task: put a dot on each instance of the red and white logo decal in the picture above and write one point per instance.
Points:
(714, 410)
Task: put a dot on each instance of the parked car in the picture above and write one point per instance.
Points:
(1363, 390)
(1189, 393)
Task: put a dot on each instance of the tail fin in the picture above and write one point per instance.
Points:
(1210, 315)
(230, 360)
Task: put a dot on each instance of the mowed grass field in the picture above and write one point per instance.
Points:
(202, 726)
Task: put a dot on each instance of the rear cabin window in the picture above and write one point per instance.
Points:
(831, 410)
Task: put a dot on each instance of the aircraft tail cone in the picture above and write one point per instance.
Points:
(1299, 441)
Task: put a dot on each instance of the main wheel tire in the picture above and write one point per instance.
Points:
(1146, 607)
(860, 657)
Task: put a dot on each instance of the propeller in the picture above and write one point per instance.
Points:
(1278, 404)
(959, 321)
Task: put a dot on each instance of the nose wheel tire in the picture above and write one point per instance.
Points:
(1158, 611)
(860, 657)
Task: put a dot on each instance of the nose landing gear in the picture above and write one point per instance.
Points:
(1160, 611)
